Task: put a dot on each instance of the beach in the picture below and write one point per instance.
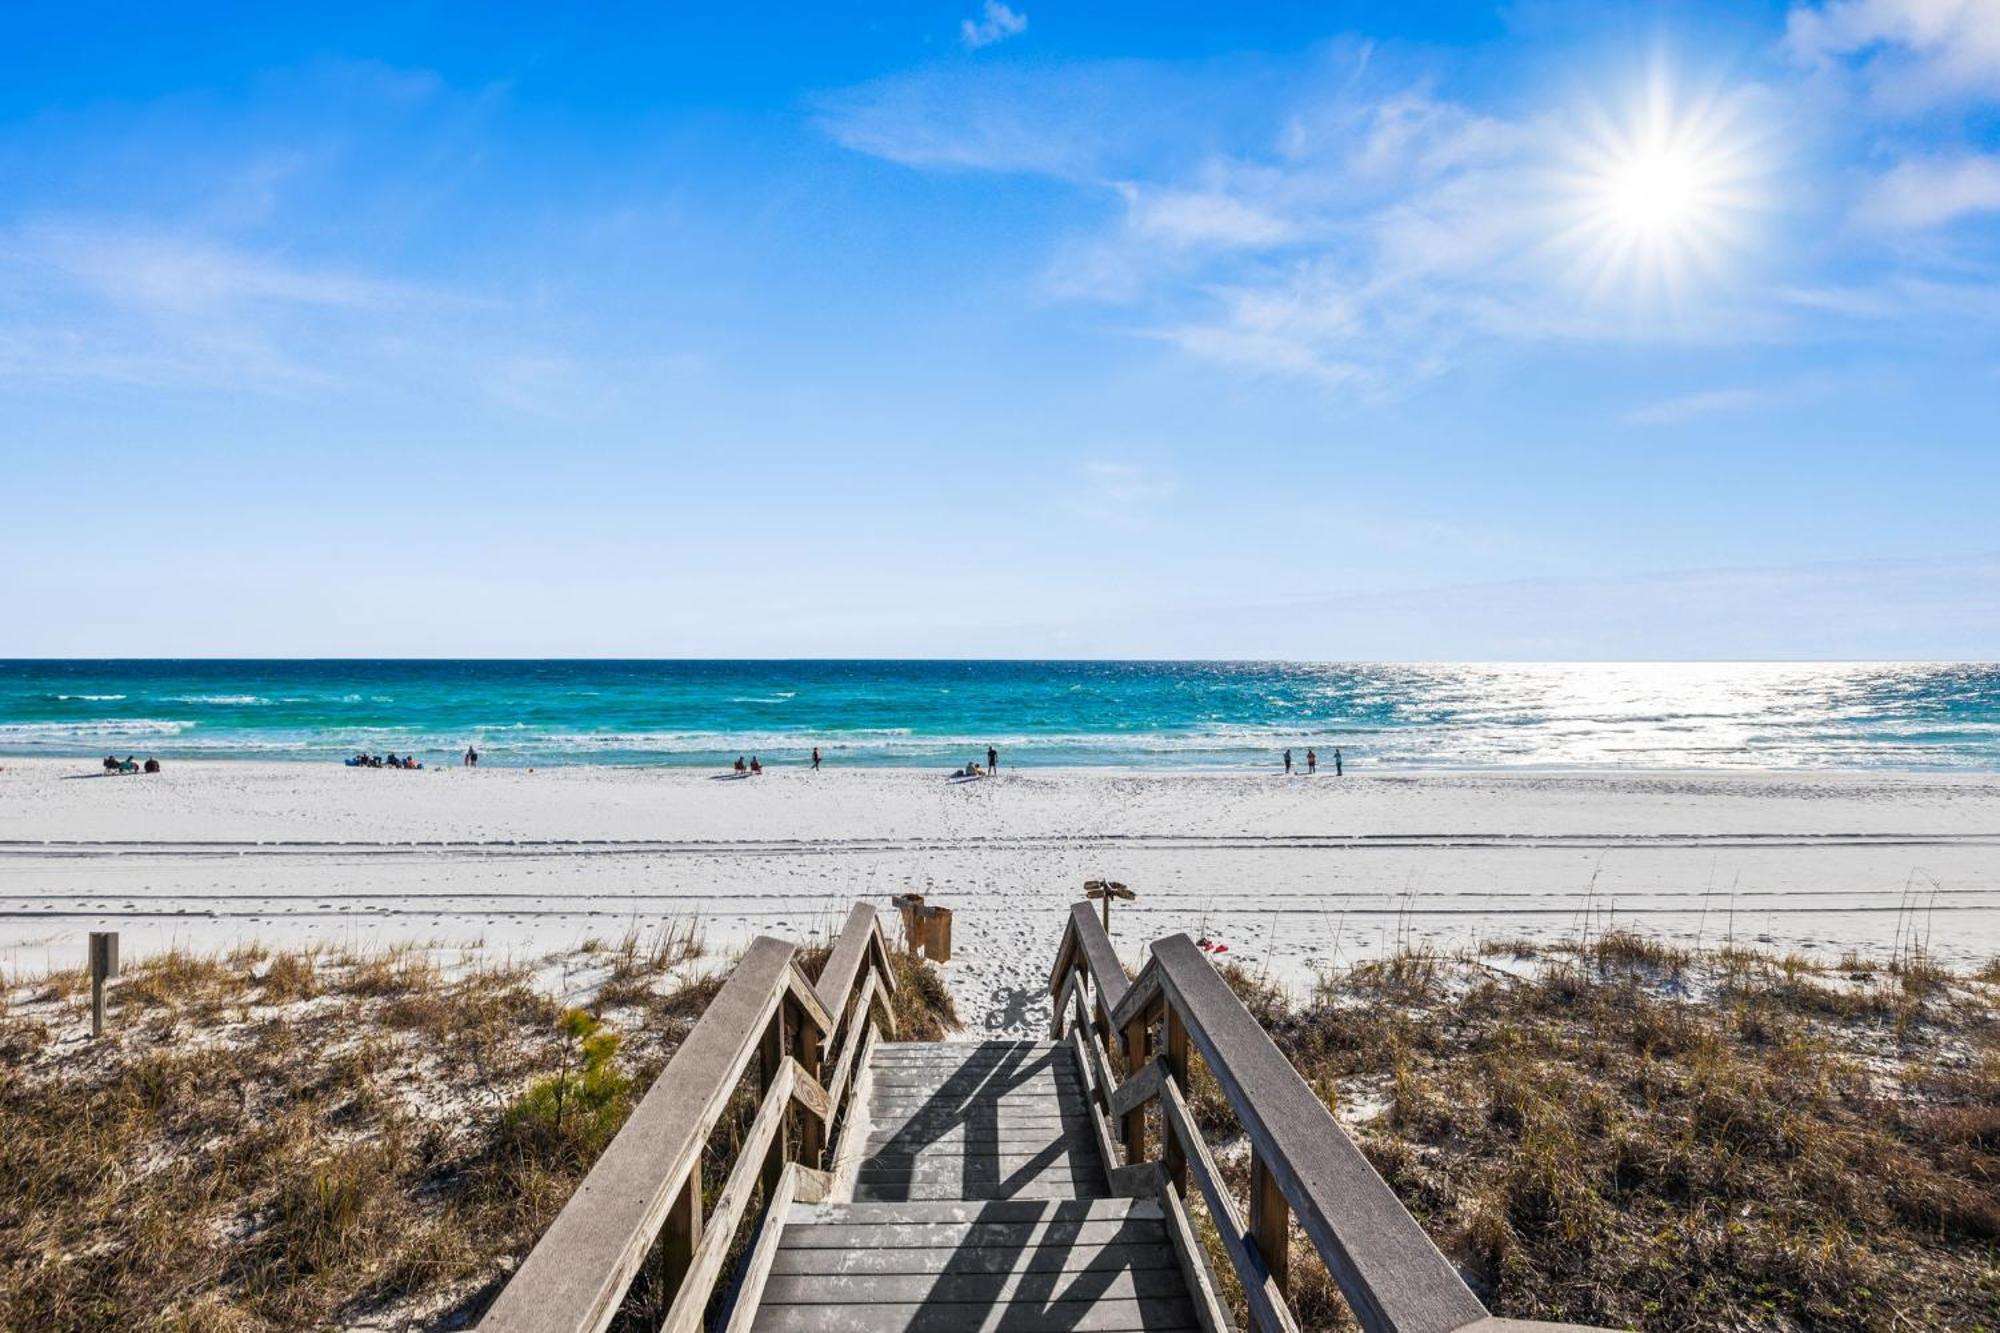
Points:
(1291, 874)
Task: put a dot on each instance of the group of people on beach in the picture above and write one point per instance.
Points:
(113, 764)
(408, 761)
(1312, 762)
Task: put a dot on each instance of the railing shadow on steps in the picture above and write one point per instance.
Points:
(1302, 1161)
(647, 1187)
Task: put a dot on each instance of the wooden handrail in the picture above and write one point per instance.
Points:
(1302, 1161)
(647, 1184)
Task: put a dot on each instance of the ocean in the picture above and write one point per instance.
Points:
(1926, 717)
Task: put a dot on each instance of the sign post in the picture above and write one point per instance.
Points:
(1104, 890)
(103, 967)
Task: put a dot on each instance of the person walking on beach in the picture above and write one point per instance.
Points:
(815, 759)
(992, 760)
(1312, 761)
(1288, 763)
(471, 757)
(1336, 761)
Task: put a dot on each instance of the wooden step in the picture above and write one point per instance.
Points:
(1041, 1188)
(937, 1214)
(1163, 1314)
(957, 1288)
(992, 1259)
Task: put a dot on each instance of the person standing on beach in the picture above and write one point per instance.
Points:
(1312, 761)
(1288, 763)
(815, 759)
(1336, 761)
(471, 757)
(992, 760)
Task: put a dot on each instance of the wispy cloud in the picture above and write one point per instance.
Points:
(1693, 406)
(997, 23)
(1911, 53)
(1356, 227)
(1930, 192)
(135, 305)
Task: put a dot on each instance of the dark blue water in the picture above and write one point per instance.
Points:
(1699, 715)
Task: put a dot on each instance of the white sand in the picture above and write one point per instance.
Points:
(1292, 874)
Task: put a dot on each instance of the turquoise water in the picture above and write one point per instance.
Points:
(1152, 714)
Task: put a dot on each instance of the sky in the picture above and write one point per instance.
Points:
(1330, 331)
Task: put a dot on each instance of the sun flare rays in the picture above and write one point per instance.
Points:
(1659, 195)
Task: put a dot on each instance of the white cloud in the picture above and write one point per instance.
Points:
(1929, 192)
(1913, 53)
(1690, 407)
(1203, 217)
(1000, 23)
(164, 273)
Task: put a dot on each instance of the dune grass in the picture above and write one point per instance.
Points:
(306, 1139)
(1639, 1136)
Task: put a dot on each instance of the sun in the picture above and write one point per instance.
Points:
(1656, 192)
(1658, 196)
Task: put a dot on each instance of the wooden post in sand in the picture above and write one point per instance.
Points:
(937, 934)
(911, 906)
(1104, 890)
(103, 967)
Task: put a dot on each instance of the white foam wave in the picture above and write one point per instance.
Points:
(238, 700)
(92, 698)
(77, 733)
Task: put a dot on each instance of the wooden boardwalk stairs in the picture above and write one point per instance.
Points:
(976, 1187)
(981, 1200)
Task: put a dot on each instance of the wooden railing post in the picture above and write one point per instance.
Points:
(1177, 1069)
(679, 1235)
(770, 1058)
(1136, 1036)
(806, 1038)
(1268, 1215)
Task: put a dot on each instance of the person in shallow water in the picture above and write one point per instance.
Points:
(1336, 761)
(1312, 761)
(815, 759)
(1288, 761)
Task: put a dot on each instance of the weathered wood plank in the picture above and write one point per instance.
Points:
(920, 1190)
(756, 1271)
(1268, 1310)
(1193, 1261)
(574, 1278)
(977, 1138)
(1105, 1283)
(851, 950)
(965, 1237)
(1144, 1210)
(1080, 1151)
(684, 1316)
(1054, 1258)
(1161, 1315)
(1003, 1184)
(1393, 1276)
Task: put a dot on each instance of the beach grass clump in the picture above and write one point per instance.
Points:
(281, 1139)
(923, 1007)
(1637, 1135)
(312, 1139)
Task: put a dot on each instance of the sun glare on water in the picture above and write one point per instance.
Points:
(1660, 195)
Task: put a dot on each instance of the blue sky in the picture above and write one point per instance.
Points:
(1355, 330)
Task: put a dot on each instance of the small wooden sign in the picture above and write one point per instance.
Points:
(1104, 890)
